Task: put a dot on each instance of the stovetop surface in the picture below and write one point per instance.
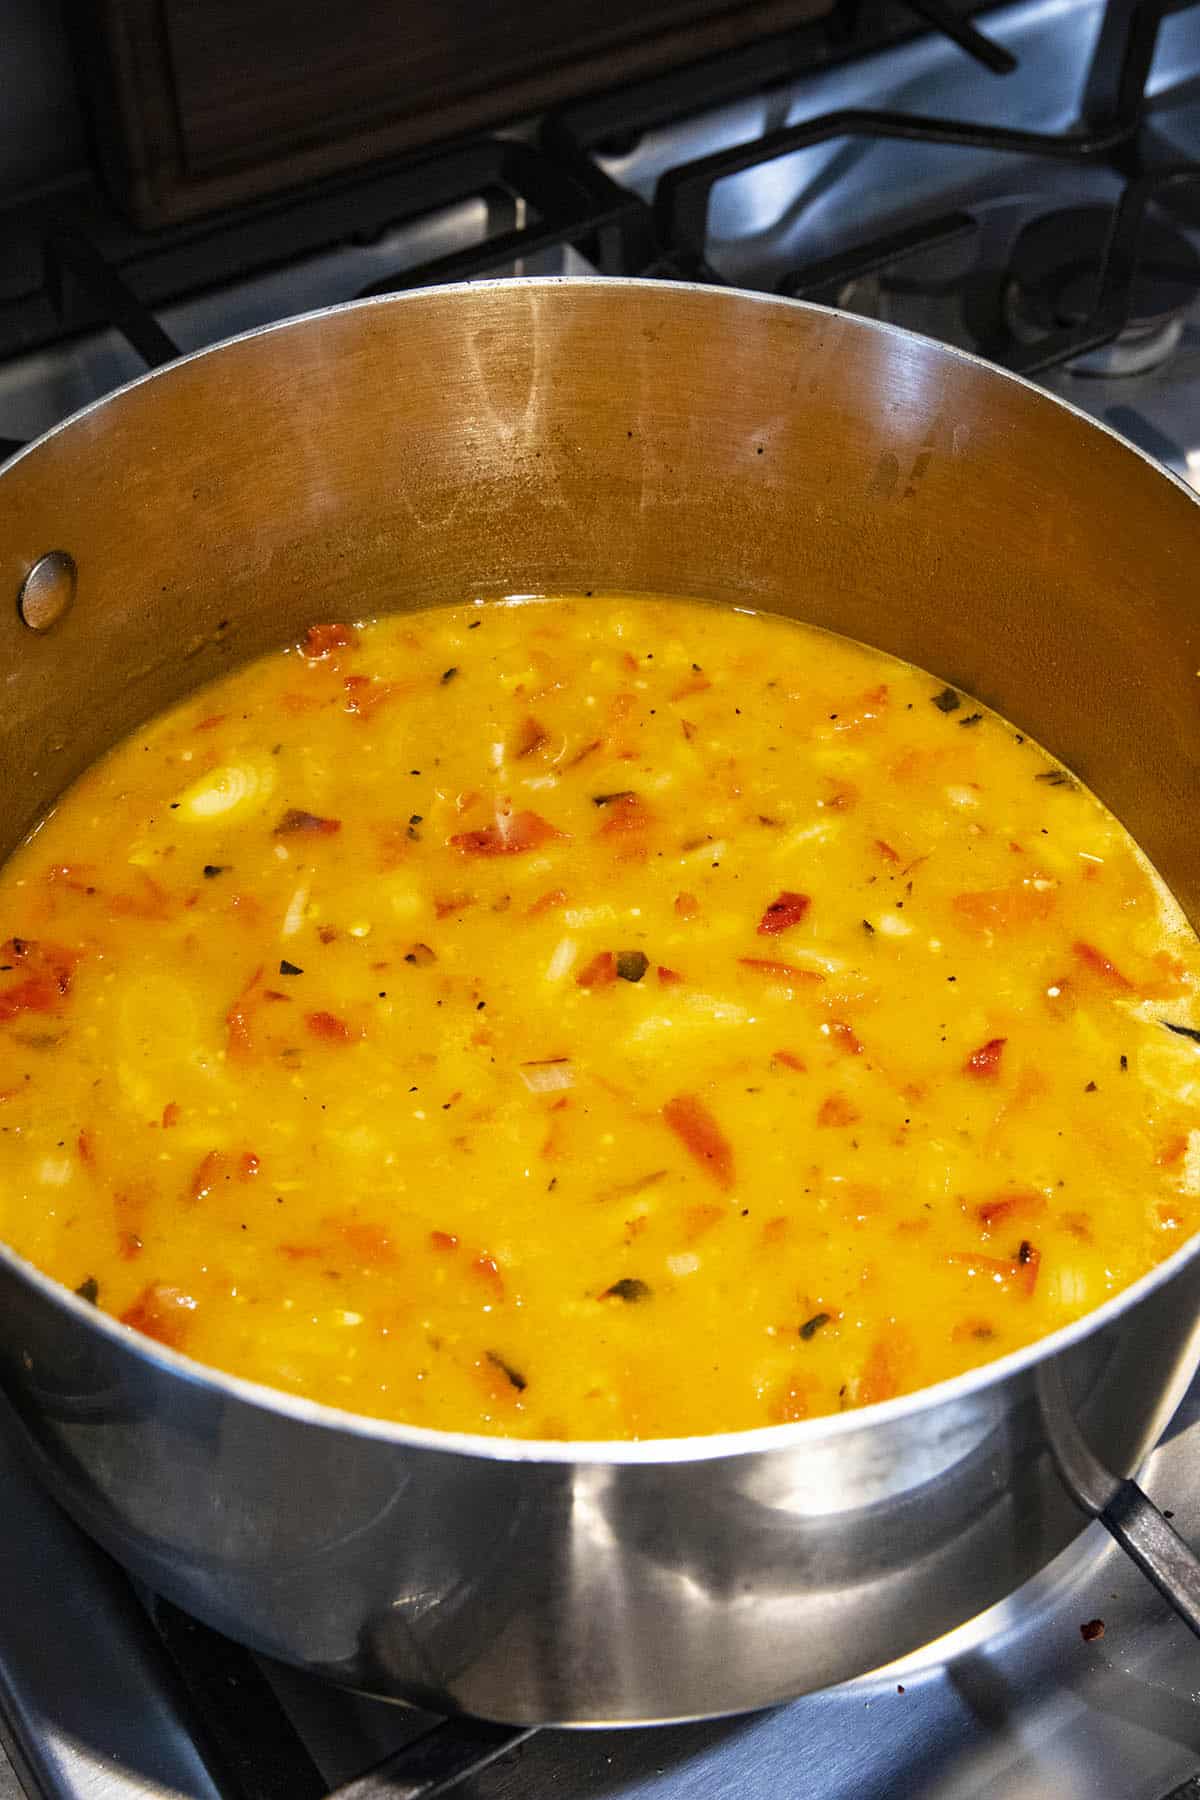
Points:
(788, 213)
(1015, 1706)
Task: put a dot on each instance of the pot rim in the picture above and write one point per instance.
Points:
(648, 1451)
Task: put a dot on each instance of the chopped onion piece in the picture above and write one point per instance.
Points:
(235, 787)
(563, 959)
(582, 918)
(548, 1077)
(686, 1263)
(293, 919)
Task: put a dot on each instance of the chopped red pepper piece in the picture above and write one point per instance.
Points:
(369, 1242)
(152, 903)
(1009, 1206)
(789, 1060)
(785, 911)
(364, 694)
(1100, 965)
(511, 835)
(211, 1169)
(297, 820)
(835, 1109)
(997, 909)
(35, 994)
(782, 971)
(1173, 1151)
(161, 1312)
(327, 1025)
(626, 813)
(487, 1270)
(46, 971)
(530, 737)
(668, 977)
(129, 1213)
(985, 1062)
(239, 1039)
(700, 1134)
(845, 1037)
(600, 972)
(219, 1166)
(320, 640)
(556, 897)
(882, 1373)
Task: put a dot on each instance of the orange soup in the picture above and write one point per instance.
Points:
(597, 1018)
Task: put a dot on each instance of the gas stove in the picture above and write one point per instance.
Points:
(1022, 182)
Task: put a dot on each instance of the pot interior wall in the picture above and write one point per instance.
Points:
(539, 437)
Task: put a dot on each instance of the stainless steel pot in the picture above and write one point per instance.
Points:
(541, 436)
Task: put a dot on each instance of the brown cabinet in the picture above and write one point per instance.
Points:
(200, 104)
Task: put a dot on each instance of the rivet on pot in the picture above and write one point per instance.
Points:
(48, 590)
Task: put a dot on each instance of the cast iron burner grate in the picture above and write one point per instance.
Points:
(254, 1752)
(1115, 134)
(1054, 282)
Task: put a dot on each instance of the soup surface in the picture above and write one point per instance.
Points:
(591, 1019)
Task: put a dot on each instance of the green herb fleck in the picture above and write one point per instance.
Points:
(632, 964)
(810, 1327)
(947, 701)
(89, 1290)
(514, 1375)
(290, 968)
(629, 1289)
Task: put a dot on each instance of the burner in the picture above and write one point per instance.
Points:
(1054, 274)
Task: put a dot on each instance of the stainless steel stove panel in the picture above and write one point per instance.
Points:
(819, 202)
